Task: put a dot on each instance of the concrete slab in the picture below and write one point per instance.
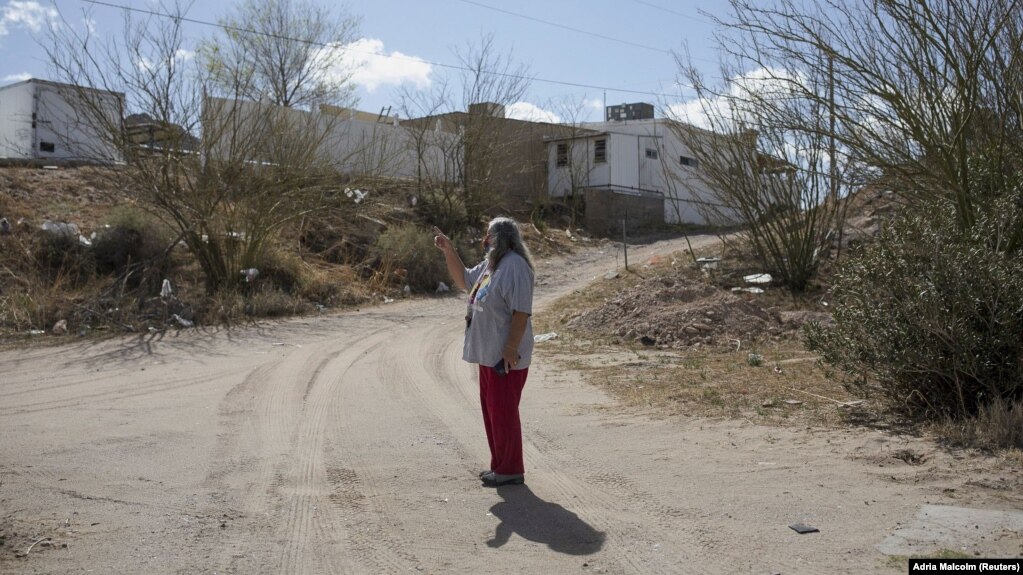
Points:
(977, 532)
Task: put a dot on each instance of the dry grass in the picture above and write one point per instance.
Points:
(998, 425)
(711, 382)
(781, 383)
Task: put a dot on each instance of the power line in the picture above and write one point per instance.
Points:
(675, 12)
(562, 26)
(374, 54)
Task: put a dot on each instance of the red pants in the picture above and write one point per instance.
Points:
(499, 397)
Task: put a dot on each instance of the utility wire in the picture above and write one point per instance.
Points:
(562, 26)
(402, 57)
(675, 12)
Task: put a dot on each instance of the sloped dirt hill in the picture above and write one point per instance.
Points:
(676, 311)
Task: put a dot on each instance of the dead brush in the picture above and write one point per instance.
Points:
(998, 425)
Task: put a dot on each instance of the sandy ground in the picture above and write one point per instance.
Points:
(351, 444)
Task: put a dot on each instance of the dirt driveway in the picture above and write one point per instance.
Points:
(351, 443)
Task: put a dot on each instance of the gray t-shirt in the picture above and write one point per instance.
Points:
(493, 296)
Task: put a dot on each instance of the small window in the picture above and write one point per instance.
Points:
(562, 160)
(47, 147)
(600, 151)
(687, 161)
(651, 153)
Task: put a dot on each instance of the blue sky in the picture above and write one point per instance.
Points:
(607, 46)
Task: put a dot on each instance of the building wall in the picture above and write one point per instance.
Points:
(41, 120)
(607, 209)
(352, 143)
(16, 121)
(684, 189)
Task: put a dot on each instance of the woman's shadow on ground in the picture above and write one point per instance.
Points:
(532, 518)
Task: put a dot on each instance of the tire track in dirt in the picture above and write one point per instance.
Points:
(274, 443)
(116, 393)
(371, 398)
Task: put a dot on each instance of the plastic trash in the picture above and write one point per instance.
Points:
(60, 328)
(758, 279)
(356, 195)
(708, 263)
(184, 322)
(84, 241)
(544, 337)
(165, 289)
(753, 290)
(60, 229)
(250, 274)
(407, 289)
(442, 287)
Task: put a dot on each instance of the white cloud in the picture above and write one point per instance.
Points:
(25, 14)
(531, 113)
(372, 67)
(718, 113)
(148, 65)
(18, 77)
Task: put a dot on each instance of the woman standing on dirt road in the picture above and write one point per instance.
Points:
(498, 337)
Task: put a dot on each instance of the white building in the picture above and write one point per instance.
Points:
(640, 157)
(349, 140)
(49, 121)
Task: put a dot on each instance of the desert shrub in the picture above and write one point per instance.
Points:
(132, 245)
(60, 254)
(931, 315)
(280, 270)
(408, 253)
(442, 208)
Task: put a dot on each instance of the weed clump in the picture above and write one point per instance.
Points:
(407, 254)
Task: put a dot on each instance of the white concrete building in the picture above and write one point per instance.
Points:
(349, 140)
(53, 122)
(641, 157)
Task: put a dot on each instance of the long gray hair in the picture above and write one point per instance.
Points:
(504, 238)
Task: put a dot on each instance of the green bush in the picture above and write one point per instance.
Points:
(931, 315)
(134, 245)
(409, 255)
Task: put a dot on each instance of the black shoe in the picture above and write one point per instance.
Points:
(494, 479)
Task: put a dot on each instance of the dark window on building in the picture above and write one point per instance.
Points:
(562, 160)
(47, 147)
(600, 151)
(651, 153)
(687, 161)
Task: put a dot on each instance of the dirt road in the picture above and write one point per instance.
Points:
(351, 443)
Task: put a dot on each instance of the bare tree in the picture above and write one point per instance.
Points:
(467, 151)
(917, 90)
(283, 52)
(434, 143)
(491, 82)
(572, 158)
(225, 174)
(764, 163)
